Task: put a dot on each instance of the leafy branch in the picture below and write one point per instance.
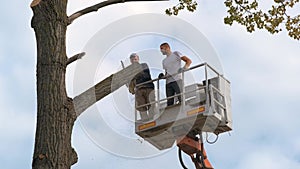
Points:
(190, 5)
(249, 15)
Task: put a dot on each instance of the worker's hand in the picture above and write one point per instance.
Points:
(161, 76)
(181, 70)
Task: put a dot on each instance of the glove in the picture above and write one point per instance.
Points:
(131, 87)
(181, 70)
(161, 75)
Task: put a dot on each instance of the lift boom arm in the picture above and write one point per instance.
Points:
(193, 146)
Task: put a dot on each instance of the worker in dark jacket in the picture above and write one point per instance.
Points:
(144, 93)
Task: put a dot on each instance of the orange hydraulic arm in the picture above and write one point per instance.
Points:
(193, 146)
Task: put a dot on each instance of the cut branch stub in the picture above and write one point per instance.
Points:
(75, 57)
(34, 3)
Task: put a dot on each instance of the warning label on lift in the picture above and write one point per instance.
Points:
(147, 125)
(196, 111)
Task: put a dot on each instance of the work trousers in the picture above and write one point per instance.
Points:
(144, 96)
(173, 88)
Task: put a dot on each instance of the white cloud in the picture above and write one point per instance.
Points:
(16, 125)
(17, 132)
(24, 76)
(85, 27)
(267, 157)
(295, 147)
(89, 153)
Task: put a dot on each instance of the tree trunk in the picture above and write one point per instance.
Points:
(55, 111)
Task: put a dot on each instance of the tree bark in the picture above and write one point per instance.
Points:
(55, 111)
(105, 87)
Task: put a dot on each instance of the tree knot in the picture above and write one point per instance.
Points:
(42, 156)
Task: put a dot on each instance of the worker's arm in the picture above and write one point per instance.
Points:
(187, 62)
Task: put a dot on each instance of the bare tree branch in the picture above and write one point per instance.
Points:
(95, 8)
(75, 57)
(105, 87)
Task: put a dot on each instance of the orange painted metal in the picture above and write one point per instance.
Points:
(191, 147)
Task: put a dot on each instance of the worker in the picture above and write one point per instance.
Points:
(144, 93)
(172, 66)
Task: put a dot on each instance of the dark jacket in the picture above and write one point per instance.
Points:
(141, 77)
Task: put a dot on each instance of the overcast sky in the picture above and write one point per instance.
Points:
(263, 71)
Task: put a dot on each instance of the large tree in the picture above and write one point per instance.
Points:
(55, 110)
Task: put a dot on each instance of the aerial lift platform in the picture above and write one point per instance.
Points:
(205, 107)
